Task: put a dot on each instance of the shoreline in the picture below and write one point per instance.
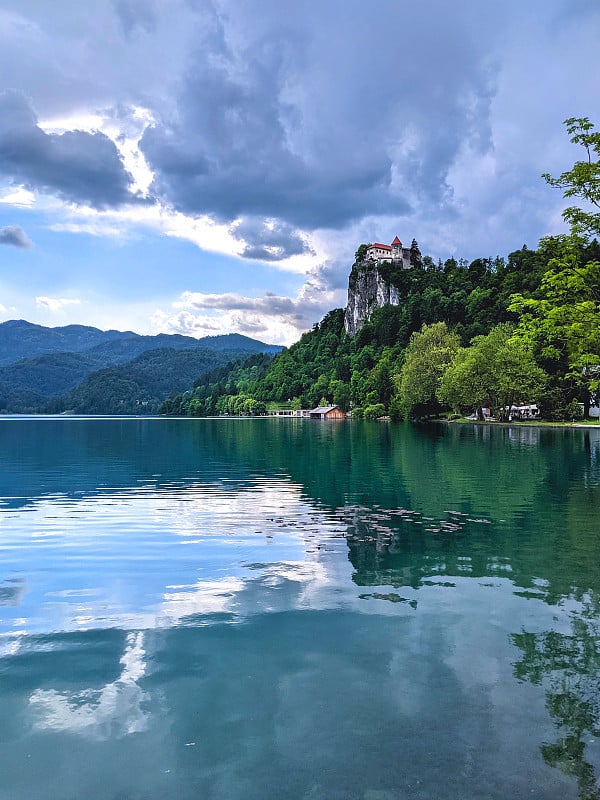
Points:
(522, 423)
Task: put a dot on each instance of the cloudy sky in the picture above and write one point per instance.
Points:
(209, 166)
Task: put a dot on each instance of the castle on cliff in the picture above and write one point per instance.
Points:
(370, 287)
(394, 252)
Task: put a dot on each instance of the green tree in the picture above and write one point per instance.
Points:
(374, 411)
(497, 371)
(341, 394)
(360, 254)
(562, 324)
(427, 356)
(415, 255)
(583, 179)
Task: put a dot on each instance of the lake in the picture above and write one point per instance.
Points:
(278, 608)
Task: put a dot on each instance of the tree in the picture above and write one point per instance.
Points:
(374, 411)
(496, 371)
(562, 326)
(583, 179)
(341, 394)
(415, 255)
(360, 254)
(382, 382)
(427, 356)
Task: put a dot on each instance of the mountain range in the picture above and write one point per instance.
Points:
(84, 369)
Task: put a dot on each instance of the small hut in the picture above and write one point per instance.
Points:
(327, 412)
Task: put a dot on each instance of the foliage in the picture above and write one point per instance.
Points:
(583, 179)
(497, 371)
(139, 386)
(415, 255)
(427, 356)
(238, 378)
(60, 366)
(562, 323)
(374, 411)
(464, 300)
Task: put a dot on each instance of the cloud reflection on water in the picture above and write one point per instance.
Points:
(115, 710)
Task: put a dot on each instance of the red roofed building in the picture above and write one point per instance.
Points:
(389, 252)
(379, 252)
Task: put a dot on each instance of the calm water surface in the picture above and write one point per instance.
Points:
(294, 609)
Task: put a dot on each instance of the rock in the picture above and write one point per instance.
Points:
(367, 289)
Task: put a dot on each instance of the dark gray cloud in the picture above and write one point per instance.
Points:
(15, 236)
(432, 117)
(270, 240)
(80, 167)
(321, 119)
(136, 15)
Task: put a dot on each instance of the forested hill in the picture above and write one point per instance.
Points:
(141, 384)
(470, 301)
(51, 369)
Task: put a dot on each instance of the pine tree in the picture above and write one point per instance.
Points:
(415, 255)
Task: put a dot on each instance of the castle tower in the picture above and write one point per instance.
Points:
(397, 249)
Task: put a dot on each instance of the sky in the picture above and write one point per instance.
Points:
(211, 166)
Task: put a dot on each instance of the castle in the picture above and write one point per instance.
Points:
(370, 286)
(389, 252)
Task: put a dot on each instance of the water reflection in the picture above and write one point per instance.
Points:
(567, 665)
(285, 609)
(114, 710)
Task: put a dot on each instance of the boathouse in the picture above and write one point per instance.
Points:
(327, 412)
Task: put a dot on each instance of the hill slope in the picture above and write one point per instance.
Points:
(39, 364)
(140, 385)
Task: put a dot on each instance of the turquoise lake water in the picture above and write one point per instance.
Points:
(282, 609)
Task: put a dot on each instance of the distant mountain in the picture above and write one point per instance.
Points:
(20, 339)
(39, 364)
(139, 386)
(235, 341)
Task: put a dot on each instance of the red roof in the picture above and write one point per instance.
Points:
(396, 241)
(377, 244)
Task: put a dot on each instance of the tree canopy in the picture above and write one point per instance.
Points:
(583, 179)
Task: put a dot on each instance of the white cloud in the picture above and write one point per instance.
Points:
(56, 303)
(18, 196)
(272, 318)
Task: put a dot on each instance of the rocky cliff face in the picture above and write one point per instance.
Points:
(367, 289)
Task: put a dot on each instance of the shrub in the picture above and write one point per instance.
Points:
(374, 411)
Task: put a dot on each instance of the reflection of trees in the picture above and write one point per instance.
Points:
(539, 488)
(479, 469)
(569, 667)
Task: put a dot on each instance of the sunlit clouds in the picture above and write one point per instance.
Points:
(218, 182)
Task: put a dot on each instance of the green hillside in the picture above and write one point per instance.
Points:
(370, 372)
(21, 339)
(140, 385)
(28, 384)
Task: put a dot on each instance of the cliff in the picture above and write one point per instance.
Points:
(369, 287)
